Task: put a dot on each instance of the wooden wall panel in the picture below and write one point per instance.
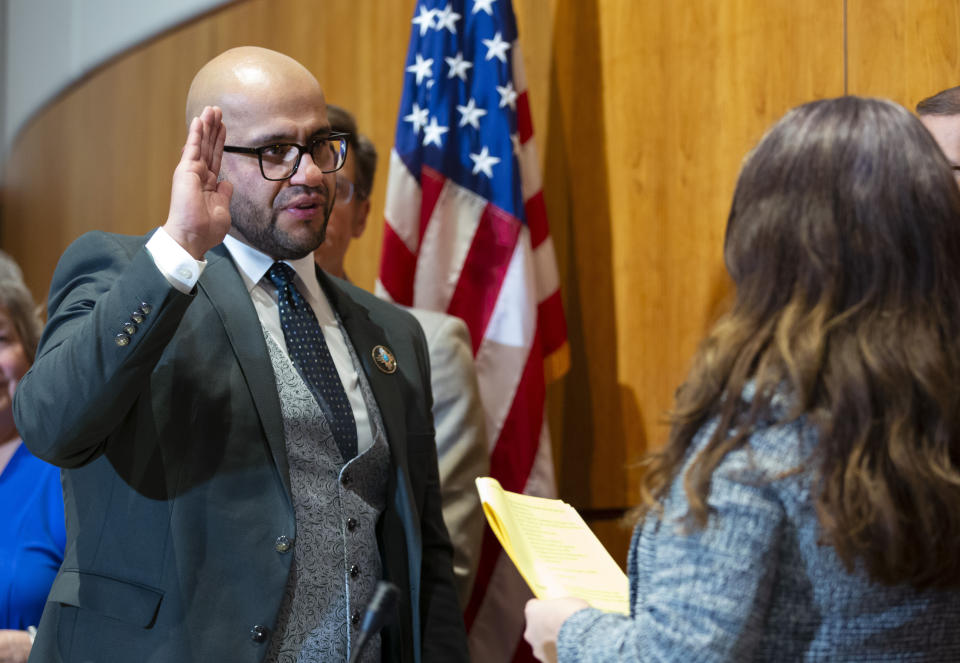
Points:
(905, 50)
(654, 123)
(643, 112)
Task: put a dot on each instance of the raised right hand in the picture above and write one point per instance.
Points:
(199, 215)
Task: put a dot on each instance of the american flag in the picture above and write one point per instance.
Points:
(466, 232)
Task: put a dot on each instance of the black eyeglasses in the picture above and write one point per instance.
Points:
(281, 160)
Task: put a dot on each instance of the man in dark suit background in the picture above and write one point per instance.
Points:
(247, 441)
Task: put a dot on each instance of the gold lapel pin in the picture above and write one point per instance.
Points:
(384, 359)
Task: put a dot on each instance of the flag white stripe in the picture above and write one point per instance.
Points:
(514, 317)
(528, 158)
(499, 369)
(541, 481)
(445, 245)
(402, 208)
(519, 73)
(545, 266)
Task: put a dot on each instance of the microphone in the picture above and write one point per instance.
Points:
(378, 614)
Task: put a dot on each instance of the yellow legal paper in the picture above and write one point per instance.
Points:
(552, 547)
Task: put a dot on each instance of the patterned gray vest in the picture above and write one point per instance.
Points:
(336, 560)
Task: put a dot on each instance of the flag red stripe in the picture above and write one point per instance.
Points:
(524, 121)
(536, 211)
(397, 267)
(516, 446)
(551, 323)
(431, 184)
(483, 271)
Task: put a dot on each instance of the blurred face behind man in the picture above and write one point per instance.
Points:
(946, 131)
(269, 98)
(13, 365)
(347, 222)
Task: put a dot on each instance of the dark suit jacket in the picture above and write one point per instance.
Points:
(176, 482)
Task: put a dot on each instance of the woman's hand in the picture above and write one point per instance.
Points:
(544, 619)
(14, 646)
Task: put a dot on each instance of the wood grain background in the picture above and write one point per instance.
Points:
(643, 111)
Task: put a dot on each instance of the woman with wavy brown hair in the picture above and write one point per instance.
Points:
(807, 504)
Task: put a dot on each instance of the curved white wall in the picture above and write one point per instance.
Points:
(48, 44)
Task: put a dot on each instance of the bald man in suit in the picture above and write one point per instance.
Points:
(247, 442)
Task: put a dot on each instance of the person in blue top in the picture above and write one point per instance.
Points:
(806, 506)
(32, 534)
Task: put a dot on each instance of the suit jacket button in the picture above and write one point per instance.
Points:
(354, 571)
(355, 617)
(259, 633)
(122, 339)
(137, 317)
(129, 328)
(351, 524)
(282, 544)
(145, 308)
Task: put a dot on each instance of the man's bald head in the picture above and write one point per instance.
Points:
(240, 74)
(270, 100)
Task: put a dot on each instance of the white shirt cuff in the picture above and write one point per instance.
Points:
(176, 264)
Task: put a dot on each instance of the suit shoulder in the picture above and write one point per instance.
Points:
(93, 251)
(98, 241)
(92, 256)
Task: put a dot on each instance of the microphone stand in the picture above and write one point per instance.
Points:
(378, 614)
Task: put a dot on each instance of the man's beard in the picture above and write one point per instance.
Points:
(260, 229)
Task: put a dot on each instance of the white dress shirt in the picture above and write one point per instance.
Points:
(183, 272)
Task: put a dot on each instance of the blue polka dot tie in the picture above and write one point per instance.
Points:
(310, 354)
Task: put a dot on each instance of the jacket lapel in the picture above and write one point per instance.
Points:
(221, 282)
(399, 530)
